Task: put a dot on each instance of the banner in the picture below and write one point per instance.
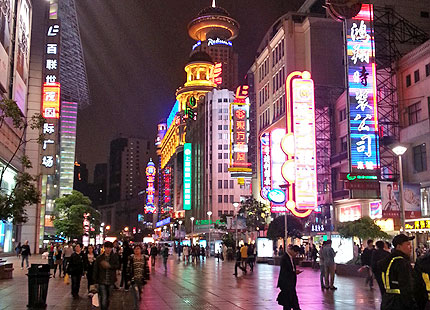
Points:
(390, 198)
(6, 11)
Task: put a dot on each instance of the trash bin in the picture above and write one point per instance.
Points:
(38, 281)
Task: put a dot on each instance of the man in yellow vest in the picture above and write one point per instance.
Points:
(422, 282)
(397, 276)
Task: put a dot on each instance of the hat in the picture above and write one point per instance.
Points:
(399, 239)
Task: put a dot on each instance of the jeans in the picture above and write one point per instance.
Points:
(59, 265)
(165, 262)
(22, 260)
(105, 291)
(329, 273)
(65, 263)
(137, 294)
(76, 284)
(124, 279)
(369, 277)
(153, 260)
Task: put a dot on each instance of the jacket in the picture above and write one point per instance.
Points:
(366, 257)
(287, 283)
(421, 278)
(106, 276)
(76, 264)
(131, 273)
(25, 250)
(399, 282)
(377, 256)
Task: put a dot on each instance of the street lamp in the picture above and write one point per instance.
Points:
(192, 230)
(171, 231)
(209, 213)
(180, 224)
(236, 205)
(399, 150)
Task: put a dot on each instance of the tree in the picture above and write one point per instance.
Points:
(363, 228)
(276, 228)
(13, 202)
(69, 215)
(228, 240)
(256, 213)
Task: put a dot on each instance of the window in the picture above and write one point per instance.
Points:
(408, 80)
(219, 183)
(225, 127)
(416, 75)
(219, 198)
(231, 184)
(225, 183)
(343, 144)
(225, 198)
(219, 167)
(425, 14)
(225, 167)
(219, 146)
(413, 111)
(219, 127)
(420, 158)
(220, 117)
(225, 155)
(427, 69)
(220, 136)
(219, 155)
(342, 115)
(225, 146)
(219, 213)
(231, 198)
(219, 99)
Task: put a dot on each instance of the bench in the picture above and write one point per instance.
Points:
(6, 270)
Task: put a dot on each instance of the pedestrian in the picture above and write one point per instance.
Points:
(202, 252)
(137, 273)
(25, 253)
(322, 266)
(104, 274)
(288, 278)
(366, 258)
(397, 276)
(422, 282)
(126, 252)
(244, 255)
(165, 255)
(238, 262)
(186, 253)
(153, 253)
(355, 253)
(145, 250)
(379, 254)
(75, 269)
(250, 253)
(328, 255)
(281, 250)
(314, 256)
(58, 257)
(18, 249)
(208, 251)
(224, 251)
(67, 253)
(90, 259)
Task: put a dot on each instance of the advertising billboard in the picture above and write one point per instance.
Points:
(187, 175)
(150, 189)
(6, 13)
(390, 198)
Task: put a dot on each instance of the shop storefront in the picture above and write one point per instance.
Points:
(6, 228)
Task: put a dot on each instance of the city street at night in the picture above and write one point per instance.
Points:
(207, 285)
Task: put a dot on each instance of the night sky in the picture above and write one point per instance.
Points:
(135, 53)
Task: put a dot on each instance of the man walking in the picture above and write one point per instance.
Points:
(104, 274)
(366, 261)
(397, 276)
(328, 255)
(379, 254)
(25, 253)
(153, 254)
(75, 269)
(165, 254)
(288, 278)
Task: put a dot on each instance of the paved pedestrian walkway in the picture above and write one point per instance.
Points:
(206, 285)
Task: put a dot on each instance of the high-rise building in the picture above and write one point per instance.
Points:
(100, 184)
(80, 179)
(214, 29)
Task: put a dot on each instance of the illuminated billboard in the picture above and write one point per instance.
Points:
(150, 190)
(51, 100)
(217, 73)
(276, 162)
(298, 144)
(265, 169)
(172, 114)
(363, 114)
(187, 175)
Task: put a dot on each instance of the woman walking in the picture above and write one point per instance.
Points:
(90, 258)
(137, 273)
(58, 261)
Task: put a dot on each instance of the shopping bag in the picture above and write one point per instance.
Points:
(66, 279)
(95, 300)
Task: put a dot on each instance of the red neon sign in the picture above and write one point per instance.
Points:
(217, 72)
(51, 100)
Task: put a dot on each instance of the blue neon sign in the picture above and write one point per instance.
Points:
(162, 222)
(172, 114)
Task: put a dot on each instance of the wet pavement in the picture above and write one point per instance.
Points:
(207, 285)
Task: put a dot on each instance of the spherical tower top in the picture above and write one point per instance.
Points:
(213, 22)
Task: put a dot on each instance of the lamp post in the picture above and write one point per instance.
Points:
(192, 230)
(171, 231)
(180, 225)
(236, 205)
(399, 150)
(209, 213)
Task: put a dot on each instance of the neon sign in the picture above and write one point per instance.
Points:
(172, 114)
(198, 43)
(239, 117)
(167, 177)
(299, 145)
(189, 112)
(352, 177)
(218, 41)
(150, 190)
(187, 175)
(363, 114)
(216, 73)
(51, 100)
(276, 161)
(266, 175)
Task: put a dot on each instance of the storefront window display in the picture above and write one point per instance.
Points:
(6, 228)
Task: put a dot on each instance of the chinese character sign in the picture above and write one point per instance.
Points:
(51, 100)
(363, 117)
(150, 190)
(187, 175)
(266, 177)
(167, 178)
(217, 73)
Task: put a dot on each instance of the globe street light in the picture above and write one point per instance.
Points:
(209, 213)
(236, 205)
(399, 150)
(192, 230)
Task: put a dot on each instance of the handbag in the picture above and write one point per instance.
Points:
(95, 300)
(66, 279)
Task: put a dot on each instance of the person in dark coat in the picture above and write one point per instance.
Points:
(126, 252)
(397, 276)
(75, 269)
(422, 282)
(379, 254)
(288, 278)
(366, 261)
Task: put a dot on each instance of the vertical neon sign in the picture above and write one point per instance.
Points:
(187, 175)
(299, 145)
(150, 190)
(363, 114)
(266, 176)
